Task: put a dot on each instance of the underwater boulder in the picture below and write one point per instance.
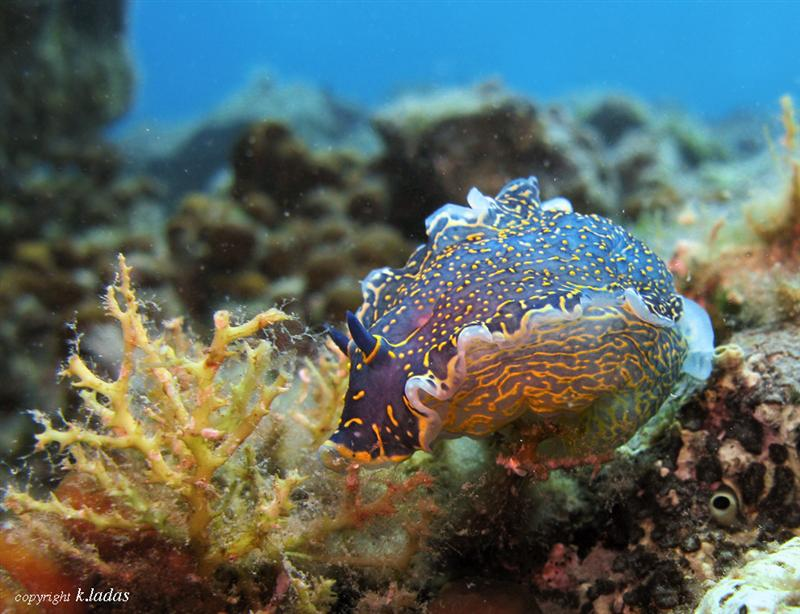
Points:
(437, 145)
(188, 156)
(613, 116)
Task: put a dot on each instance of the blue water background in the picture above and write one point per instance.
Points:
(712, 58)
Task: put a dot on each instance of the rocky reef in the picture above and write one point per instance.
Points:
(174, 463)
(192, 156)
(65, 74)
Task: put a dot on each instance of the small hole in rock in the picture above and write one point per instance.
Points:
(721, 503)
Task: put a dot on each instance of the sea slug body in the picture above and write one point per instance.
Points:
(515, 309)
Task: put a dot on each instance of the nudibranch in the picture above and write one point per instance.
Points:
(515, 309)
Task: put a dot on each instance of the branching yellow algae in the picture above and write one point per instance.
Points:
(173, 459)
(168, 407)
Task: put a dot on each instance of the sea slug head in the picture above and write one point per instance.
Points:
(378, 425)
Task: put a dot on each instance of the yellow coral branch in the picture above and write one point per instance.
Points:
(325, 382)
(267, 519)
(115, 484)
(172, 413)
(257, 363)
(23, 503)
(91, 402)
(149, 447)
(86, 378)
(281, 504)
(175, 415)
(225, 334)
(249, 422)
